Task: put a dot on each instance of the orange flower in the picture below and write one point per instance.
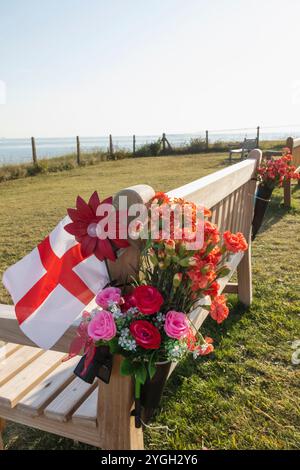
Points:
(207, 213)
(211, 232)
(205, 349)
(235, 242)
(212, 290)
(218, 309)
(160, 198)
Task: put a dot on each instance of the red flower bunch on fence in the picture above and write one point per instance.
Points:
(274, 172)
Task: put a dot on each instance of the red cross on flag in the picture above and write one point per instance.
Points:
(52, 285)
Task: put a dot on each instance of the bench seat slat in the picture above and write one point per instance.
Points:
(16, 388)
(86, 414)
(17, 361)
(8, 349)
(64, 405)
(47, 390)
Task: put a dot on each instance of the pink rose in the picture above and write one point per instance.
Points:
(176, 324)
(107, 296)
(102, 326)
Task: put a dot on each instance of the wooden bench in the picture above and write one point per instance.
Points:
(38, 390)
(246, 147)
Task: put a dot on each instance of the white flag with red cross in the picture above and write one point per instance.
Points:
(51, 286)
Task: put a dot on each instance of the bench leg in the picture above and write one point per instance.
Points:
(116, 426)
(2, 427)
(244, 274)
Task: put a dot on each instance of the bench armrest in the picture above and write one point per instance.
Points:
(11, 332)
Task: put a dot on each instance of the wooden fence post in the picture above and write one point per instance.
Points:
(133, 145)
(287, 185)
(206, 140)
(34, 157)
(111, 146)
(164, 142)
(78, 149)
(257, 135)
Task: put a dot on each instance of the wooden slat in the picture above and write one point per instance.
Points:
(231, 288)
(242, 211)
(68, 429)
(17, 361)
(46, 391)
(63, 406)
(230, 213)
(216, 213)
(234, 196)
(14, 390)
(215, 187)
(86, 414)
(8, 349)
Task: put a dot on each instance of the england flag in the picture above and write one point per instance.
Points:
(51, 286)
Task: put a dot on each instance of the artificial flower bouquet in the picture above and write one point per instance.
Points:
(271, 173)
(148, 322)
(274, 172)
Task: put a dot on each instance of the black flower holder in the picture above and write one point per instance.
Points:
(262, 200)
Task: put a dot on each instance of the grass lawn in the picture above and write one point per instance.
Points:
(246, 394)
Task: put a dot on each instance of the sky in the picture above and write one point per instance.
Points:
(94, 67)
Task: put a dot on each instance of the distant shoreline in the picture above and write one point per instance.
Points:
(69, 161)
(16, 151)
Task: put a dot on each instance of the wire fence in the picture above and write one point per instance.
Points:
(26, 150)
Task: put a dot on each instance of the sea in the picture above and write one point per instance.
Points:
(13, 151)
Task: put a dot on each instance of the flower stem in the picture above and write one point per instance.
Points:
(137, 404)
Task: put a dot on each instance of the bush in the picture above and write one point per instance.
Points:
(196, 145)
(149, 150)
(41, 167)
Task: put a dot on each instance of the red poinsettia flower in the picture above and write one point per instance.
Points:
(84, 227)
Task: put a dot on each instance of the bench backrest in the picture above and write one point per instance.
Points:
(250, 144)
(228, 193)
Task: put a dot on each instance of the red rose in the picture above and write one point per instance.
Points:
(145, 334)
(148, 299)
(129, 302)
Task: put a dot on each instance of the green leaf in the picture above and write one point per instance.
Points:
(127, 367)
(209, 249)
(206, 307)
(184, 262)
(151, 366)
(223, 272)
(114, 345)
(141, 374)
